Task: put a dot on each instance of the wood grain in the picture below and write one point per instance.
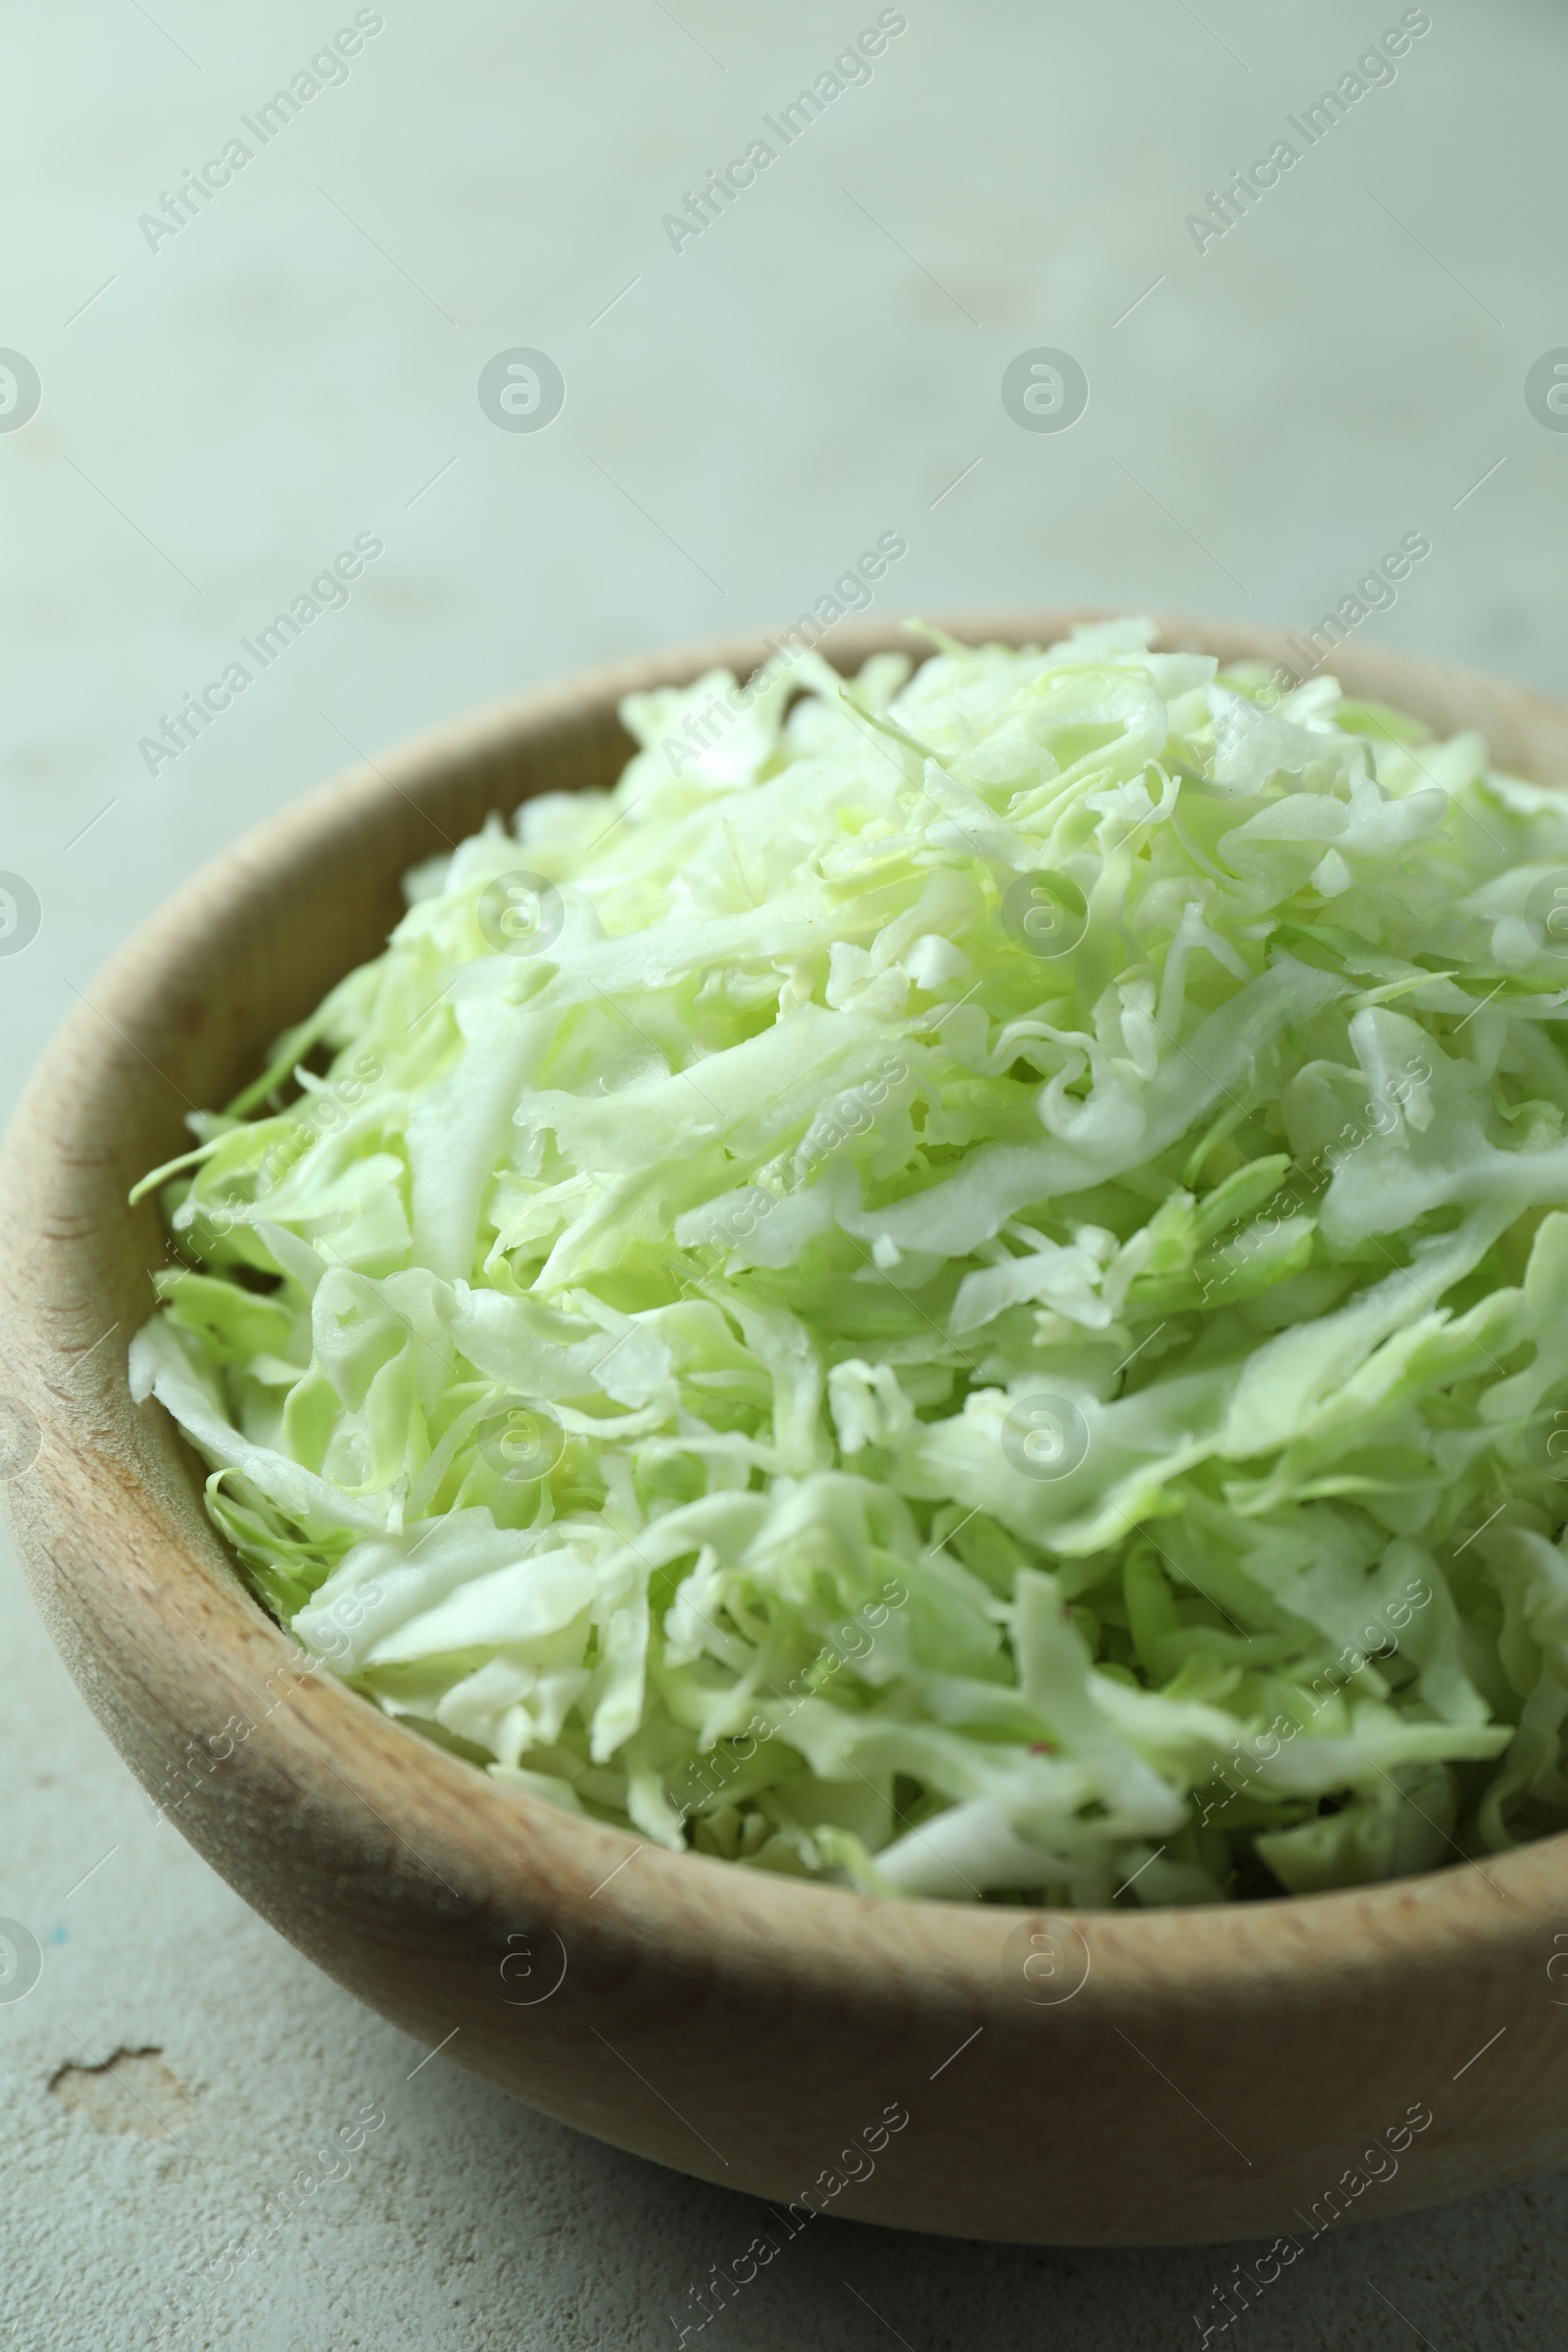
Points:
(1214, 2073)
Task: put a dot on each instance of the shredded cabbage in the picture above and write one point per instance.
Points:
(961, 1286)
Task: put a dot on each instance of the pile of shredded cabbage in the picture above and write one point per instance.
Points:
(956, 1286)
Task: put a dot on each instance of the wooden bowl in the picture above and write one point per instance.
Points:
(1108, 2078)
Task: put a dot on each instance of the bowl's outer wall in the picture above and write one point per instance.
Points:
(1217, 2073)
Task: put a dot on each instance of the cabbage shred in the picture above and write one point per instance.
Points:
(961, 1286)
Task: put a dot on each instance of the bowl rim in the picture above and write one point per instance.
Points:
(484, 1826)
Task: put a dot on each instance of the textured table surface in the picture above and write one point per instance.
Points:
(226, 400)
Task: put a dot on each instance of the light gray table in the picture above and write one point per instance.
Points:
(225, 403)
